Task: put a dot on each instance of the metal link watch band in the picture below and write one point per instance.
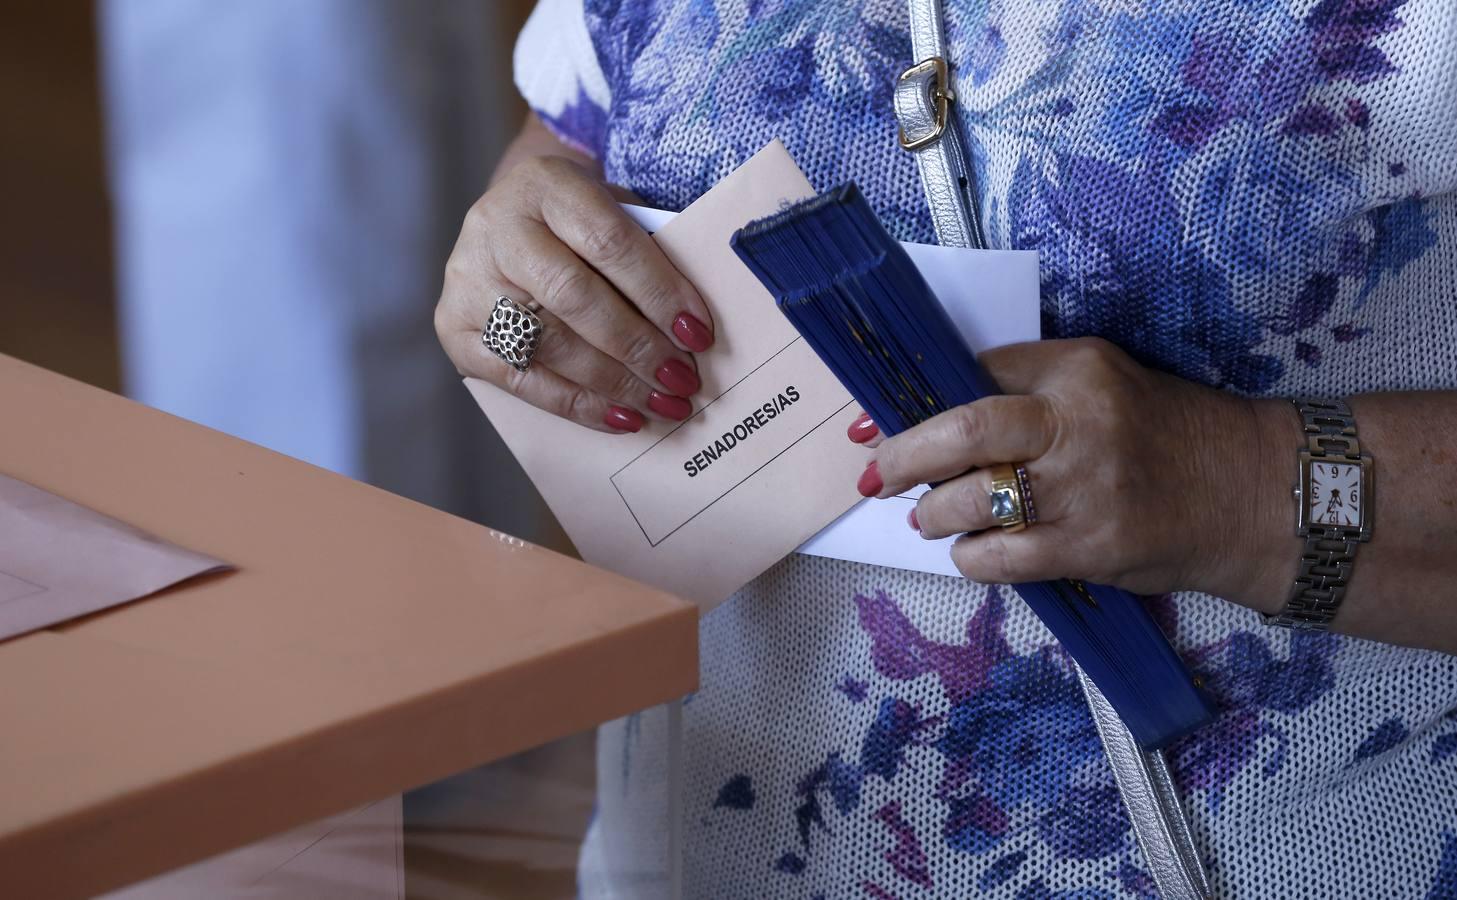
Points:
(1330, 428)
(1329, 553)
(1320, 587)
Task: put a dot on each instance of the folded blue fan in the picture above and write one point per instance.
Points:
(858, 300)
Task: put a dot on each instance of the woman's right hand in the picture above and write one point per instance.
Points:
(620, 322)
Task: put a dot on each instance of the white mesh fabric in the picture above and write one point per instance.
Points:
(1253, 195)
(1282, 771)
(634, 854)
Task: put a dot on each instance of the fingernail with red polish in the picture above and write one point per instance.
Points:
(678, 377)
(870, 484)
(911, 520)
(623, 419)
(695, 335)
(862, 429)
(669, 405)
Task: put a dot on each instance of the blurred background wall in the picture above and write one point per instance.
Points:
(239, 211)
(56, 294)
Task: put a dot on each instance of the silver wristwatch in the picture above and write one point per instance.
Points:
(1336, 499)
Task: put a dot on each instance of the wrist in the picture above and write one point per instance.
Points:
(1258, 552)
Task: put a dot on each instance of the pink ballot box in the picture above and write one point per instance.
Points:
(364, 645)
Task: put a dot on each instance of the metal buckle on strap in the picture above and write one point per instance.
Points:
(941, 95)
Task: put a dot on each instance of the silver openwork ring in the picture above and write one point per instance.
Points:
(513, 332)
(1011, 497)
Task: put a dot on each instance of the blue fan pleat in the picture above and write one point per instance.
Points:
(858, 300)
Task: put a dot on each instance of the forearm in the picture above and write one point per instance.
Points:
(535, 140)
(1403, 588)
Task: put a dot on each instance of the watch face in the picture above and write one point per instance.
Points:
(1335, 494)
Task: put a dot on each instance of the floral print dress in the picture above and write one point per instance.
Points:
(1254, 195)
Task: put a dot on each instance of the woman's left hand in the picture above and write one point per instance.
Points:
(1140, 479)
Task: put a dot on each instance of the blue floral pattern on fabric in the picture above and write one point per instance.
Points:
(1135, 251)
(1021, 758)
(1208, 148)
(1205, 188)
(1444, 885)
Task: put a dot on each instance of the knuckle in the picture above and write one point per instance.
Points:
(967, 423)
(458, 268)
(1045, 419)
(478, 217)
(1100, 359)
(512, 379)
(480, 230)
(1098, 560)
(623, 385)
(473, 255)
(997, 560)
(662, 295)
(446, 332)
(974, 495)
(577, 404)
(555, 343)
(610, 243)
(639, 349)
(1081, 356)
(443, 318)
(1085, 353)
(608, 378)
(945, 515)
(564, 288)
(888, 460)
(984, 558)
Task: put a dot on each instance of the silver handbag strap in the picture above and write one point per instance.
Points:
(1152, 800)
(923, 98)
(928, 128)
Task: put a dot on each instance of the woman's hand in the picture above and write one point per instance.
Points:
(621, 323)
(1140, 479)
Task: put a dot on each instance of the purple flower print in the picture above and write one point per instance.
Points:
(1249, 682)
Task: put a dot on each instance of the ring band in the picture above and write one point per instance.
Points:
(1024, 482)
(1011, 497)
(513, 332)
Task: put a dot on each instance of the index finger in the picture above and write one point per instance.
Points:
(998, 429)
(599, 231)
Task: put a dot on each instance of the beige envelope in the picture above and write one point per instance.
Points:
(700, 508)
(60, 560)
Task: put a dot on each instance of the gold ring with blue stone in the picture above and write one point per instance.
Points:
(1011, 497)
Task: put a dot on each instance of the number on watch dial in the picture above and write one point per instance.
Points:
(1335, 494)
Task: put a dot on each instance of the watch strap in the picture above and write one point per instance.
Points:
(1329, 552)
(1320, 586)
(1330, 428)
